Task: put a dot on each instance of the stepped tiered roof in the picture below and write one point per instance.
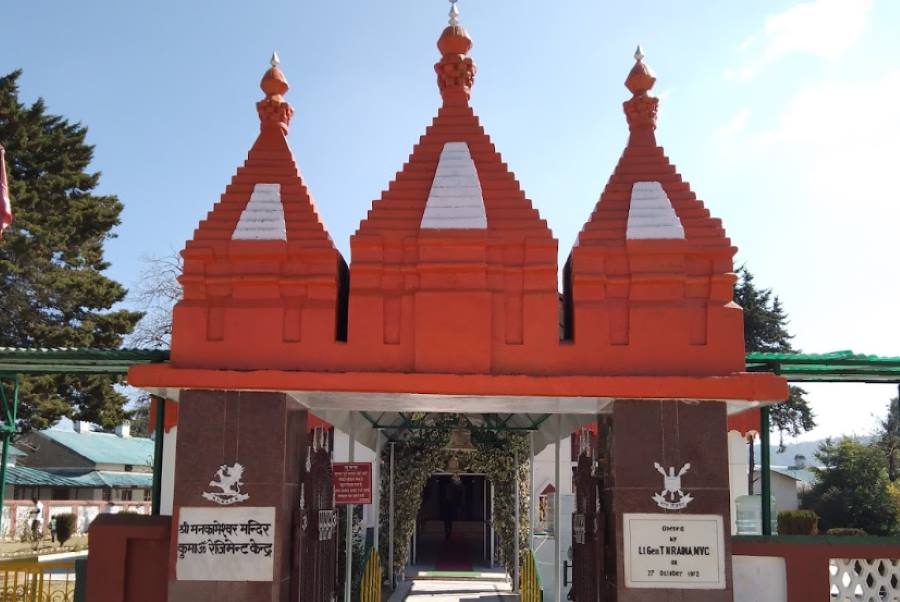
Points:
(261, 271)
(453, 287)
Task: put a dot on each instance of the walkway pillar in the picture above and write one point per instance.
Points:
(516, 493)
(237, 483)
(531, 491)
(391, 571)
(348, 563)
(376, 485)
(557, 500)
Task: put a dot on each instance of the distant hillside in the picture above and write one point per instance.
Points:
(803, 448)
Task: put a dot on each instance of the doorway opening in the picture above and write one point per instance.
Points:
(453, 531)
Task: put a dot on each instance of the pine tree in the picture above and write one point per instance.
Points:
(888, 439)
(765, 330)
(52, 289)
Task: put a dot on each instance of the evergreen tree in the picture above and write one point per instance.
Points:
(888, 439)
(52, 289)
(852, 489)
(765, 330)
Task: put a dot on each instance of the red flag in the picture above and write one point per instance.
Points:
(6, 216)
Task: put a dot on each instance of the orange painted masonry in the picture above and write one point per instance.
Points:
(646, 311)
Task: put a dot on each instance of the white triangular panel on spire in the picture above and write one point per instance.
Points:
(456, 200)
(263, 217)
(651, 215)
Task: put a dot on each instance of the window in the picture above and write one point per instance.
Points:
(126, 495)
(129, 468)
(107, 495)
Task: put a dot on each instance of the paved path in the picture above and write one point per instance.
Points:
(431, 590)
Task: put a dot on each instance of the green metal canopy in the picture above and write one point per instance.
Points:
(71, 360)
(837, 366)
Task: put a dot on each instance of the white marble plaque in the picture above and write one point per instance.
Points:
(668, 551)
(225, 544)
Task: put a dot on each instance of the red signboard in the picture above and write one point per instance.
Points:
(352, 483)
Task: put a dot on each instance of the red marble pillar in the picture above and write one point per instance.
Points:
(643, 439)
(266, 434)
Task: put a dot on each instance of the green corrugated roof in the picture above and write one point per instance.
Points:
(33, 477)
(800, 474)
(837, 366)
(65, 360)
(105, 448)
(125, 479)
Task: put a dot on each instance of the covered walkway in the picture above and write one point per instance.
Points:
(437, 590)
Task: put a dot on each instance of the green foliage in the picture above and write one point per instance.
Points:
(852, 489)
(888, 439)
(765, 330)
(422, 453)
(797, 522)
(54, 293)
(845, 532)
(65, 527)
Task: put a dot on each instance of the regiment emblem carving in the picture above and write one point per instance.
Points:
(228, 479)
(672, 497)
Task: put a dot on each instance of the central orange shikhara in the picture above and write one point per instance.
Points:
(647, 286)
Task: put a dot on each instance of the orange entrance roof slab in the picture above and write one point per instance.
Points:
(741, 387)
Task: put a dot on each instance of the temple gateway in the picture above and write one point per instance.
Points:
(412, 385)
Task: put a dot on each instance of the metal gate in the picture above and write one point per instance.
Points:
(588, 529)
(317, 522)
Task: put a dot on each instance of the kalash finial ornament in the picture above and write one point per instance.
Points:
(274, 111)
(642, 107)
(455, 71)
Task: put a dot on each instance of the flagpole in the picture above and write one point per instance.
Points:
(6, 216)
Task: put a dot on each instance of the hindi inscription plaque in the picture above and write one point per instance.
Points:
(225, 544)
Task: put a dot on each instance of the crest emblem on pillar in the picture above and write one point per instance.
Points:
(672, 497)
(228, 480)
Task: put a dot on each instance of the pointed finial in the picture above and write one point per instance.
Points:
(641, 78)
(273, 109)
(455, 70)
(641, 108)
(454, 14)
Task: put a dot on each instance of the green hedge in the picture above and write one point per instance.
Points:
(845, 532)
(798, 522)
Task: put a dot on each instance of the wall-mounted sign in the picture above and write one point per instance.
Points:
(672, 497)
(225, 544)
(684, 551)
(228, 480)
(352, 483)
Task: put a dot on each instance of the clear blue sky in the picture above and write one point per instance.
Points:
(782, 115)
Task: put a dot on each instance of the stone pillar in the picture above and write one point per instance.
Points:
(669, 536)
(260, 437)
